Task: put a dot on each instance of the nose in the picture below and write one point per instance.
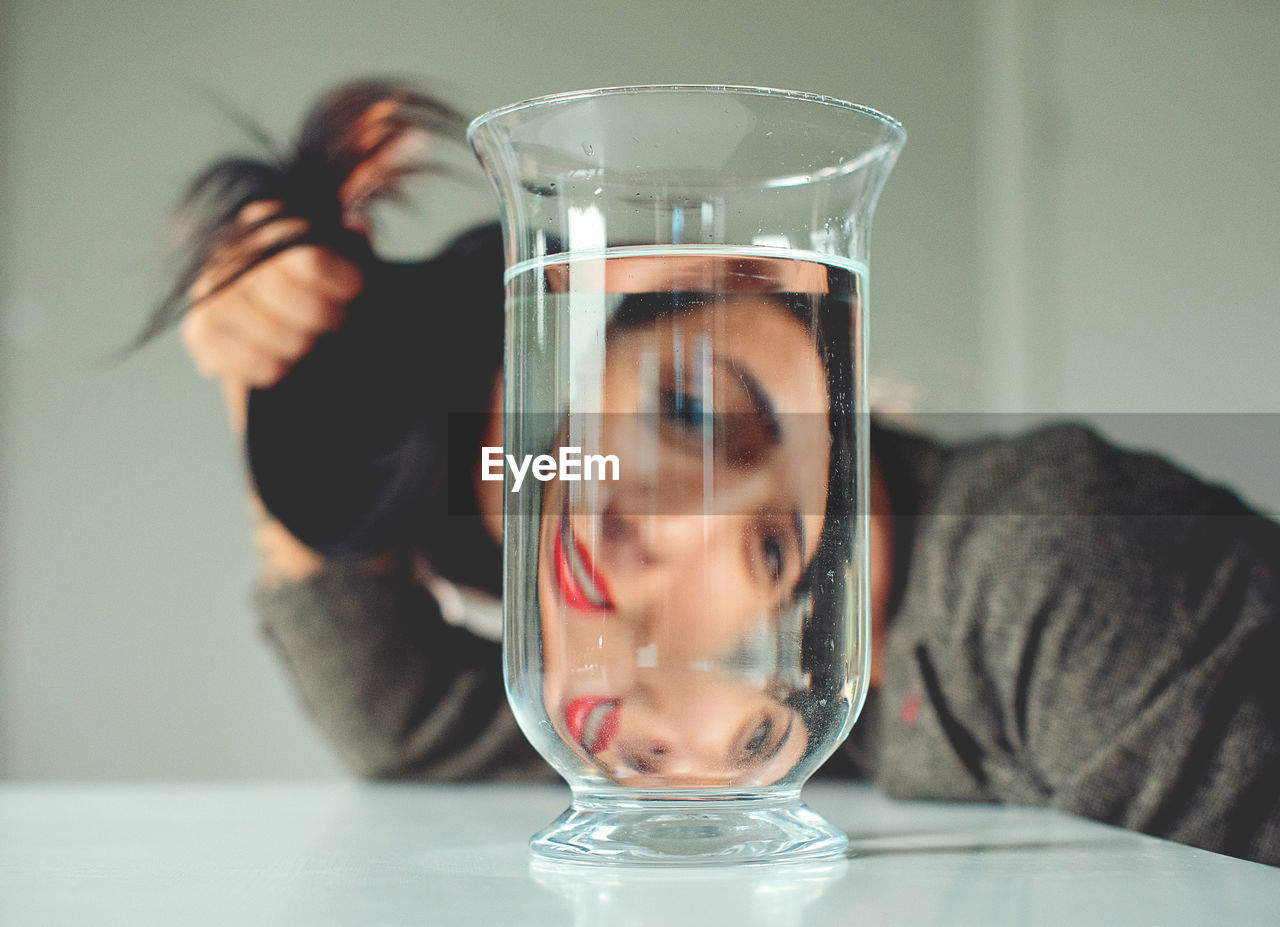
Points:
(687, 580)
(678, 727)
(649, 758)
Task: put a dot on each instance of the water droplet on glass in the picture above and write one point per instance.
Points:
(587, 149)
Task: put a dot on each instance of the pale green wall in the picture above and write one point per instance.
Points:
(127, 647)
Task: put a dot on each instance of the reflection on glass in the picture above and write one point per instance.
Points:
(679, 603)
(685, 296)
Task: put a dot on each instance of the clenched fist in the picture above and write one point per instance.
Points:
(251, 332)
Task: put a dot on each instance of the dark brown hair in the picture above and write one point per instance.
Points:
(347, 126)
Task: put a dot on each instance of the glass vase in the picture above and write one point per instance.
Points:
(685, 460)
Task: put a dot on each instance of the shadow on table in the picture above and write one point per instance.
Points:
(856, 851)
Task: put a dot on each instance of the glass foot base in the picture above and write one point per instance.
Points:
(667, 832)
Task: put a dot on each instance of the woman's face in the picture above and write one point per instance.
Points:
(653, 587)
(689, 727)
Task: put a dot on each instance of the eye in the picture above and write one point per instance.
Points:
(684, 409)
(760, 740)
(775, 549)
(773, 554)
(759, 737)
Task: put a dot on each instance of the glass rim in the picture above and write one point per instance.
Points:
(893, 125)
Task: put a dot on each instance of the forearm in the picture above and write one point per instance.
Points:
(1098, 635)
(398, 691)
(1200, 764)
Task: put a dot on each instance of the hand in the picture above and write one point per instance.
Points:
(252, 332)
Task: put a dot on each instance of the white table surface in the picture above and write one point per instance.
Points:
(347, 854)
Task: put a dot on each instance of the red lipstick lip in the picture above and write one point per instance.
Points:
(602, 712)
(571, 590)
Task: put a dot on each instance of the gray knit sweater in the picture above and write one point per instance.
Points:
(1073, 625)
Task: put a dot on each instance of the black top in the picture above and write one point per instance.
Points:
(1075, 626)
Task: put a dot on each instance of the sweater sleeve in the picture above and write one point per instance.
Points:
(400, 692)
(1102, 636)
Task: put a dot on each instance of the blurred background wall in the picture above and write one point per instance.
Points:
(1085, 223)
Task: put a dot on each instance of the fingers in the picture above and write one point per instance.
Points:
(219, 353)
(310, 287)
(255, 328)
(242, 242)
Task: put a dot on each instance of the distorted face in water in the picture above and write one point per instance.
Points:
(661, 594)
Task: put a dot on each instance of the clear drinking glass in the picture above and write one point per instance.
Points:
(687, 629)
